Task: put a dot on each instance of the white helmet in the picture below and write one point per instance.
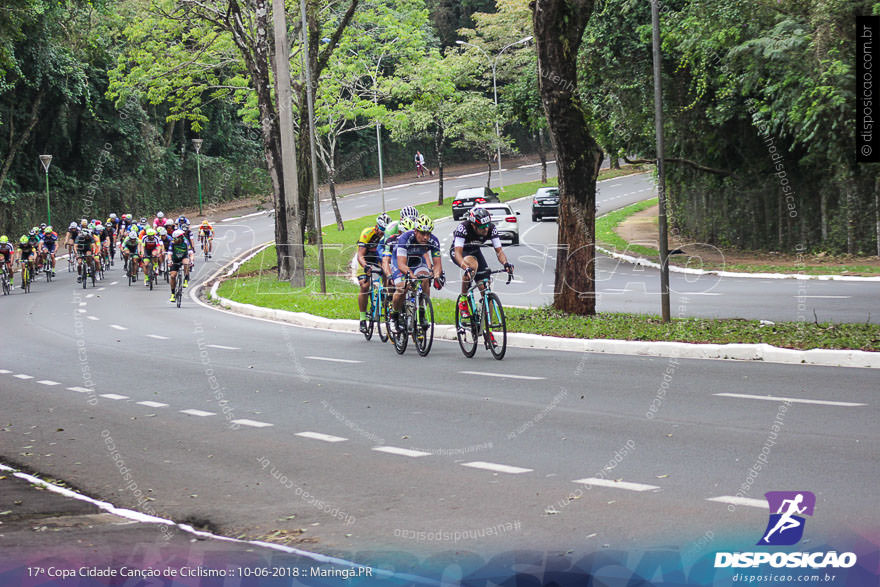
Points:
(177, 233)
(160, 215)
(162, 231)
(113, 215)
(133, 234)
(73, 225)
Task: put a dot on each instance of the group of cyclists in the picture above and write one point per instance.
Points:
(407, 249)
(93, 244)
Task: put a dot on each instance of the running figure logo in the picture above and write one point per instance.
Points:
(786, 526)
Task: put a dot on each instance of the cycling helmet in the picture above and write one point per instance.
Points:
(132, 234)
(33, 231)
(204, 223)
(424, 223)
(177, 233)
(182, 220)
(479, 217)
(72, 226)
(23, 239)
(91, 226)
(151, 232)
(48, 230)
(4, 239)
(383, 220)
(142, 220)
(409, 212)
(162, 231)
(407, 224)
(42, 226)
(160, 214)
(112, 216)
(98, 224)
(83, 222)
(128, 217)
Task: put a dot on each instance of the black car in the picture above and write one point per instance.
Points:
(545, 202)
(468, 198)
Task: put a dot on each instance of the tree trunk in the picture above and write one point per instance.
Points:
(489, 168)
(542, 155)
(288, 245)
(559, 29)
(331, 180)
(779, 219)
(823, 213)
(877, 212)
(615, 161)
(16, 145)
(439, 139)
(851, 199)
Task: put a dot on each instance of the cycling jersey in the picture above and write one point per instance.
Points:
(159, 222)
(26, 249)
(179, 251)
(370, 238)
(151, 243)
(465, 235)
(84, 242)
(6, 251)
(100, 233)
(130, 243)
(72, 233)
(166, 241)
(34, 241)
(206, 229)
(50, 241)
(413, 251)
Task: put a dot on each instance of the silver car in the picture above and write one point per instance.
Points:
(505, 220)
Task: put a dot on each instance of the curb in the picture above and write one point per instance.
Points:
(675, 350)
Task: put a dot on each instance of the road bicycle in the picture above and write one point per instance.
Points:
(178, 288)
(47, 267)
(26, 275)
(71, 259)
(377, 307)
(87, 269)
(416, 321)
(151, 271)
(485, 319)
(131, 268)
(4, 280)
(206, 248)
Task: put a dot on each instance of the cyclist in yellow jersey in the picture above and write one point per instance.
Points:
(368, 260)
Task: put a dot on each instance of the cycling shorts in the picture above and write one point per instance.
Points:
(397, 276)
(477, 253)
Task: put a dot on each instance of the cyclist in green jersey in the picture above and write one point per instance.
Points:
(181, 249)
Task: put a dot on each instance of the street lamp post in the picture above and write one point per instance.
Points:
(46, 160)
(494, 64)
(661, 175)
(197, 143)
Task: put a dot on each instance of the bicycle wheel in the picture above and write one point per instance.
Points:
(495, 326)
(381, 315)
(423, 331)
(92, 272)
(151, 275)
(402, 336)
(371, 314)
(5, 285)
(179, 293)
(466, 332)
(26, 279)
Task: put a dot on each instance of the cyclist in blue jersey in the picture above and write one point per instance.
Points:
(417, 254)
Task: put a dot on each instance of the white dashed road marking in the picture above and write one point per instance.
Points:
(81, 389)
(89, 296)
(114, 396)
(496, 467)
(158, 336)
(92, 317)
(254, 423)
(394, 450)
(23, 376)
(5, 371)
(331, 359)
(81, 311)
(529, 377)
(616, 484)
(793, 400)
(48, 382)
(825, 297)
(319, 436)
(153, 404)
(197, 413)
(225, 348)
(111, 283)
(746, 501)
(118, 327)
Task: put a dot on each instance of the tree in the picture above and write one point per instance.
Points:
(559, 28)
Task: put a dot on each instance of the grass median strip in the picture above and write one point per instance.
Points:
(256, 284)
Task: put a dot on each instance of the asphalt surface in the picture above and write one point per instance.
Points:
(257, 429)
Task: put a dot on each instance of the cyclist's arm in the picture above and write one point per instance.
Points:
(361, 255)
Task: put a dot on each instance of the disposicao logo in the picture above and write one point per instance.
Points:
(786, 528)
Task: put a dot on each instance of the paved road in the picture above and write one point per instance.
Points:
(252, 427)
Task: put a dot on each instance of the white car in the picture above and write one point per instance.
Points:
(505, 220)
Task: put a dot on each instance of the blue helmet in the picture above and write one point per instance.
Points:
(182, 220)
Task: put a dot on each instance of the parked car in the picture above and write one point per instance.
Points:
(505, 221)
(467, 198)
(545, 202)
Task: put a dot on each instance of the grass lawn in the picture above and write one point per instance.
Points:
(256, 284)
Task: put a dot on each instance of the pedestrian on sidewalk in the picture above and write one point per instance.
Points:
(420, 164)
